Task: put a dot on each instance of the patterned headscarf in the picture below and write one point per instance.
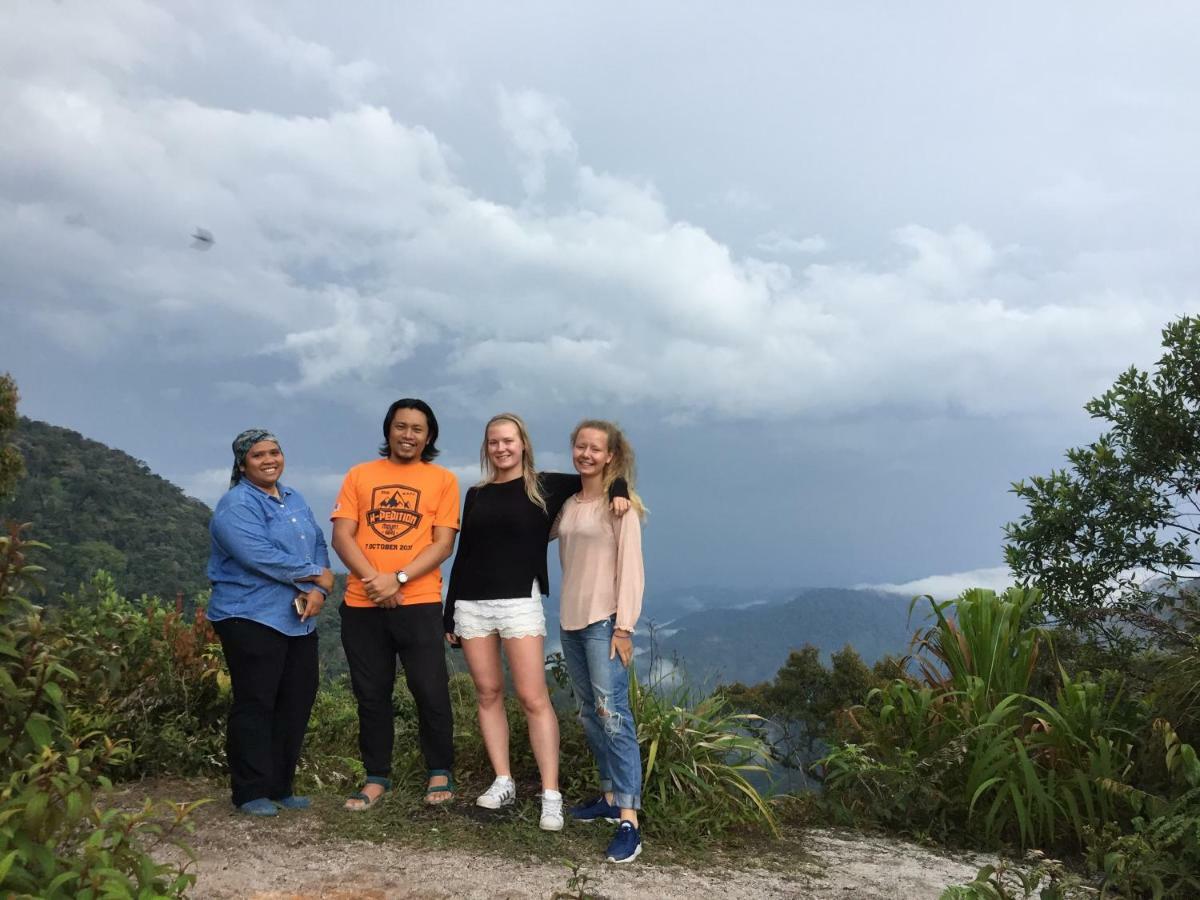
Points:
(241, 446)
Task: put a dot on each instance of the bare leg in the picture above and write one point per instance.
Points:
(483, 661)
(527, 662)
(627, 815)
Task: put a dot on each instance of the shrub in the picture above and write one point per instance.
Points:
(1047, 880)
(330, 755)
(150, 675)
(56, 839)
(1161, 854)
(696, 762)
(969, 752)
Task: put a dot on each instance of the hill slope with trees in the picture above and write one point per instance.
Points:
(99, 508)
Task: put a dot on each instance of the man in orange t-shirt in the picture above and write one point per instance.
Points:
(394, 524)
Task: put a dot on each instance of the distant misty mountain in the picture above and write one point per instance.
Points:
(749, 644)
(721, 635)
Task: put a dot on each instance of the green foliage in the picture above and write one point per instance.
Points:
(12, 466)
(967, 752)
(1176, 689)
(695, 763)
(147, 674)
(989, 650)
(1160, 856)
(1126, 503)
(56, 838)
(330, 756)
(577, 883)
(801, 705)
(1047, 880)
(100, 508)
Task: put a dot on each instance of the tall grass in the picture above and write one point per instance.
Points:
(696, 762)
(966, 751)
(987, 645)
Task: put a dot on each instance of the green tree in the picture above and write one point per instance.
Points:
(11, 463)
(849, 680)
(1115, 533)
(802, 702)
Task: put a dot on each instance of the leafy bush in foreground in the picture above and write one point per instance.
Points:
(150, 675)
(695, 762)
(56, 839)
(1161, 854)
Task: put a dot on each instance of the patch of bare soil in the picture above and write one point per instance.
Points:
(291, 857)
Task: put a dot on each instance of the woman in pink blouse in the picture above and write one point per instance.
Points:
(602, 586)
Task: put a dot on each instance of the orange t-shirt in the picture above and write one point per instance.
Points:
(396, 507)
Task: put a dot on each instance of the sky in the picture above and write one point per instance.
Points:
(842, 272)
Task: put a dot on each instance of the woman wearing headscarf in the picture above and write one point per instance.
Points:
(269, 569)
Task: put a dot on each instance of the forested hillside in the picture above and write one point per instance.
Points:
(99, 508)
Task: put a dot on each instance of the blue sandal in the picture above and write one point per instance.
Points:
(366, 800)
(447, 788)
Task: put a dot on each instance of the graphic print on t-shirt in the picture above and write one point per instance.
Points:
(393, 511)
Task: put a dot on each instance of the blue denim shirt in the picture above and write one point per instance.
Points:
(261, 547)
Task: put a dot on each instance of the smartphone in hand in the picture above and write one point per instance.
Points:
(300, 603)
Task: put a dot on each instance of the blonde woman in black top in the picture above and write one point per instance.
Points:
(495, 600)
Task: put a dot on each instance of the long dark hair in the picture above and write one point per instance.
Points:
(430, 451)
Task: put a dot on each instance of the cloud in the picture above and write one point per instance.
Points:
(309, 61)
(531, 121)
(351, 247)
(207, 485)
(779, 243)
(466, 473)
(947, 587)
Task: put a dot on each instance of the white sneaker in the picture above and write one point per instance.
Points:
(552, 813)
(502, 793)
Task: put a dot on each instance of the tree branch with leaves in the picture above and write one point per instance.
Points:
(1112, 535)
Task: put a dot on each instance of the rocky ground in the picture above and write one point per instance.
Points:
(298, 856)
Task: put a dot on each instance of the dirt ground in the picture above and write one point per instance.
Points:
(293, 858)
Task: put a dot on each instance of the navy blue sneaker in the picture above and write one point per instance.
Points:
(293, 802)
(598, 810)
(626, 843)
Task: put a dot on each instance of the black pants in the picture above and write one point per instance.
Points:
(274, 680)
(373, 638)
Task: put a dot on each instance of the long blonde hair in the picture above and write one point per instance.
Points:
(622, 464)
(533, 489)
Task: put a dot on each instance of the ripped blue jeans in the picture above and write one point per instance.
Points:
(601, 686)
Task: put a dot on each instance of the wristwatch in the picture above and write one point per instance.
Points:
(402, 577)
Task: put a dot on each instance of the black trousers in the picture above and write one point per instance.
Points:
(373, 638)
(274, 679)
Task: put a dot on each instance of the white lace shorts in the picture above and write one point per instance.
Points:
(522, 617)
